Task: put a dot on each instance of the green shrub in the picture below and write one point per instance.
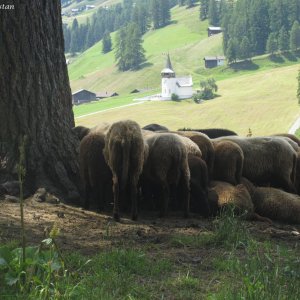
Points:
(174, 97)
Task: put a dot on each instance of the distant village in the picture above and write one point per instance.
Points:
(170, 84)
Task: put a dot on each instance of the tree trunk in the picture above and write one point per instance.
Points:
(36, 98)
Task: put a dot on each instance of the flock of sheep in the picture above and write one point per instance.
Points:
(197, 171)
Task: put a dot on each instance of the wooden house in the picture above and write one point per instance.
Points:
(83, 96)
(213, 30)
(214, 61)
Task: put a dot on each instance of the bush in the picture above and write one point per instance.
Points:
(197, 97)
(174, 97)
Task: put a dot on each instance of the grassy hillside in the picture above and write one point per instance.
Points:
(82, 17)
(185, 39)
(265, 102)
(187, 42)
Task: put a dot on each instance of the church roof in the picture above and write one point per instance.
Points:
(167, 70)
(184, 81)
(168, 63)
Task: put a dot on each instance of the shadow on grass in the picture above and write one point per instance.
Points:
(244, 65)
(145, 65)
(290, 56)
(276, 58)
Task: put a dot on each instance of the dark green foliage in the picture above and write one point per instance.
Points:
(204, 9)
(272, 44)
(209, 87)
(106, 43)
(129, 51)
(283, 39)
(298, 90)
(190, 3)
(213, 12)
(295, 36)
(244, 49)
(262, 22)
(160, 13)
(174, 97)
(232, 50)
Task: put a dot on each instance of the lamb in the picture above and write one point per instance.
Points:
(238, 196)
(277, 204)
(212, 133)
(125, 153)
(95, 173)
(166, 165)
(229, 159)
(267, 160)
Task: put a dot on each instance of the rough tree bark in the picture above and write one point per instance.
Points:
(35, 98)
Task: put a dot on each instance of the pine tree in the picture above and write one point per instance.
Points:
(232, 50)
(203, 9)
(190, 3)
(298, 90)
(129, 51)
(155, 13)
(283, 39)
(244, 49)
(74, 44)
(213, 14)
(272, 44)
(106, 43)
(295, 36)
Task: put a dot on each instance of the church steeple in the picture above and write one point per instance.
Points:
(168, 71)
(168, 63)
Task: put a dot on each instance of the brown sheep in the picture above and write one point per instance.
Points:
(238, 196)
(95, 173)
(229, 159)
(205, 145)
(277, 204)
(267, 160)
(166, 166)
(125, 152)
(290, 136)
(80, 131)
(155, 127)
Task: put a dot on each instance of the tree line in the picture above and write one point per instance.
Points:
(143, 13)
(254, 27)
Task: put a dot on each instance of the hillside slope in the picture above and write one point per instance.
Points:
(185, 39)
(265, 102)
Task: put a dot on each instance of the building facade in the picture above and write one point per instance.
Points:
(170, 84)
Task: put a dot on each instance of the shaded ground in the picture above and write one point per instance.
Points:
(89, 232)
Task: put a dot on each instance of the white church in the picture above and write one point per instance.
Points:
(170, 84)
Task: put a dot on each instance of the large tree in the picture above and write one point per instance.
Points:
(36, 98)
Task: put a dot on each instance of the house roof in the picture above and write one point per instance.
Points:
(184, 81)
(214, 28)
(79, 91)
(214, 58)
(106, 94)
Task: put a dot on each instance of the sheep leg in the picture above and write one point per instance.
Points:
(133, 196)
(165, 199)
(116, 191)
(186, 196)
(87, 196)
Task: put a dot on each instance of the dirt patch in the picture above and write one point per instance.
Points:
(89, 232)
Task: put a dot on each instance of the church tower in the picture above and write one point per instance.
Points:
(168, 80)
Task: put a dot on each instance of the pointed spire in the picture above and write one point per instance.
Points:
(168, 63)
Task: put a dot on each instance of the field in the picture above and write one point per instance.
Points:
(264, 101)
(170, 258)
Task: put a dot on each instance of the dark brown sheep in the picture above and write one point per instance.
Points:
(229, 159)
(205, 145)
(155, 127)
(81, 131)
(290, 136)
(198, 186)
(277, 204)
(95, 173)
(212, 133)
(268, 160)
(166, 166)
(125, 153)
